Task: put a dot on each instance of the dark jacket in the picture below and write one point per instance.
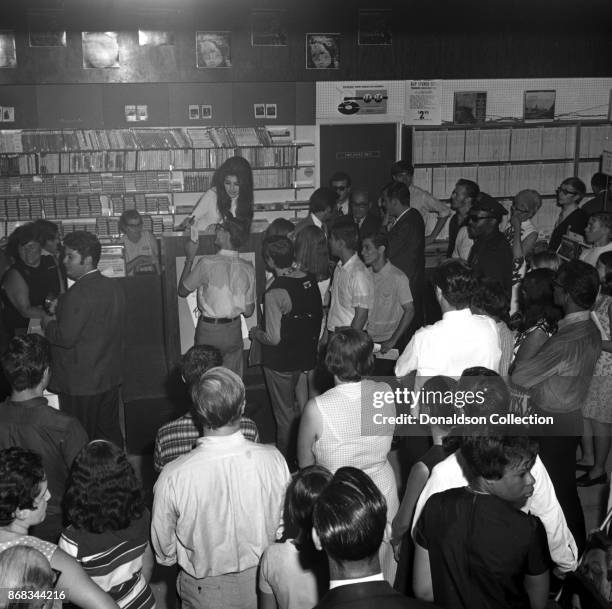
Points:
(575, 222)
(87, 338)
(369, 595)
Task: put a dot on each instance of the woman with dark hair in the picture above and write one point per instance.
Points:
(23, 503)
(333, 434)
(231, 193)
(539, 315)
(596, 409)
(29, 282)
(293, 574)
(109, 524)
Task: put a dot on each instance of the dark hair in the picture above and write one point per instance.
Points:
(580, 281)
(489, 456)
(350, 516)
(312, 252)
(495, 396)
(104, 493)
(536, 300)
(302, 493)
(279, 226)
(22, 235)
(126, 216)
(345, 230)
(21, 474)
(218, 398)
(239, 167)
(379, 240)
(436, 397)
(321, 199)
(599, 180)
(279, 249)
(340, 176)
(399, 191)
(577, 184)
(25, 360)
(455, 279)
(545, 260)
(491, 298)
(349, 354)
(238, 230)
(402, 166)
(86, 244)
(606, 260)
(47, 230)
(472, 189)
(605, 219)
(197, 360)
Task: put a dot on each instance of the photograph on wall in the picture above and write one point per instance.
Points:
(213, 49)
(8, 55)
(539, 105)
(470, 107)
(322, 51)
(100, 50)
(206, 111)
(47, 39)
(154, 38)
(269, 27)
(374, 27)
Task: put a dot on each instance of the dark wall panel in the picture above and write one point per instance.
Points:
(217, 95)
(69, 106)
(116, 97)
(305, 103)
(245, 95)
(23, 99)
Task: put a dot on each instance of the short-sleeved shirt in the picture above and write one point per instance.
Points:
(145, 246)
(391, 293)
(225, 284)
(351, 287)
(480, 548)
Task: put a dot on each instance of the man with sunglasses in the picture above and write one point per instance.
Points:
(491, 255)
(571, 218)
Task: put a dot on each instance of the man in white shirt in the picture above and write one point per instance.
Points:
(424, 202)
(352, 288)
(217, 508)
(460, 339)
(597, 233)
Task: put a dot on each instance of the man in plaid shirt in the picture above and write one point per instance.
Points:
(179, 436)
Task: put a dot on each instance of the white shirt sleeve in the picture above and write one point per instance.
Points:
(408, 360)
(463, 244)
(163, 523)
(205, 212)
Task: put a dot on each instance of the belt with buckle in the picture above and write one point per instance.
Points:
(219, 320)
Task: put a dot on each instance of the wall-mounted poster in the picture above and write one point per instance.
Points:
(374, 27)
(213, 49)
(322, 51)
(268, 28)
(47, 39)
(363, 99)
(154, 38)
(8, 55)
(470, 107)
(539, 105)
(423, 103)
(100, 50)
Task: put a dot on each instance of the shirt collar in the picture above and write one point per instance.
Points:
(335, 583)
(88, 273)
(231, 440)
(402, 214)
(458, 313)
(573, 318)
(231, 253)
(351, 260)
(316, 221)
(37, 401)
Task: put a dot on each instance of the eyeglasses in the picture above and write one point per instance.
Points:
(134, 224)
(520, 210)
(475, 218)
(339, 187)
(565, 191)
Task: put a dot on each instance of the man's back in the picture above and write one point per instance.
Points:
(87, 338)
(368, 595)
(217, 508)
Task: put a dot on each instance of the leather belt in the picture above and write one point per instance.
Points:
(218, 320)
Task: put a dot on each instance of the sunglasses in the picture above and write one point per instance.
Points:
(475, 218)
(339, 187)
(565, 191)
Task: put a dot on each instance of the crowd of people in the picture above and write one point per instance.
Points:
(471, 514)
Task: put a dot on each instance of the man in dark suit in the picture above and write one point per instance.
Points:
(349, 522)
(86, 339)
(321, 205)
(367, 220)
(407, 245)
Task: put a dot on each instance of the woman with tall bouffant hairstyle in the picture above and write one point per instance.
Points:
(352, 424)
(231, 193)
(109, 524)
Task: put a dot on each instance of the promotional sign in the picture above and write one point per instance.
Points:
(423, 103)
(360, 100)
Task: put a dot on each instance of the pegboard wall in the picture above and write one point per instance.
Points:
(576, 98)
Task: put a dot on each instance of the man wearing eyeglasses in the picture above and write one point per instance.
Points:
(491, 255)
(571, 218)
(340, 183)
